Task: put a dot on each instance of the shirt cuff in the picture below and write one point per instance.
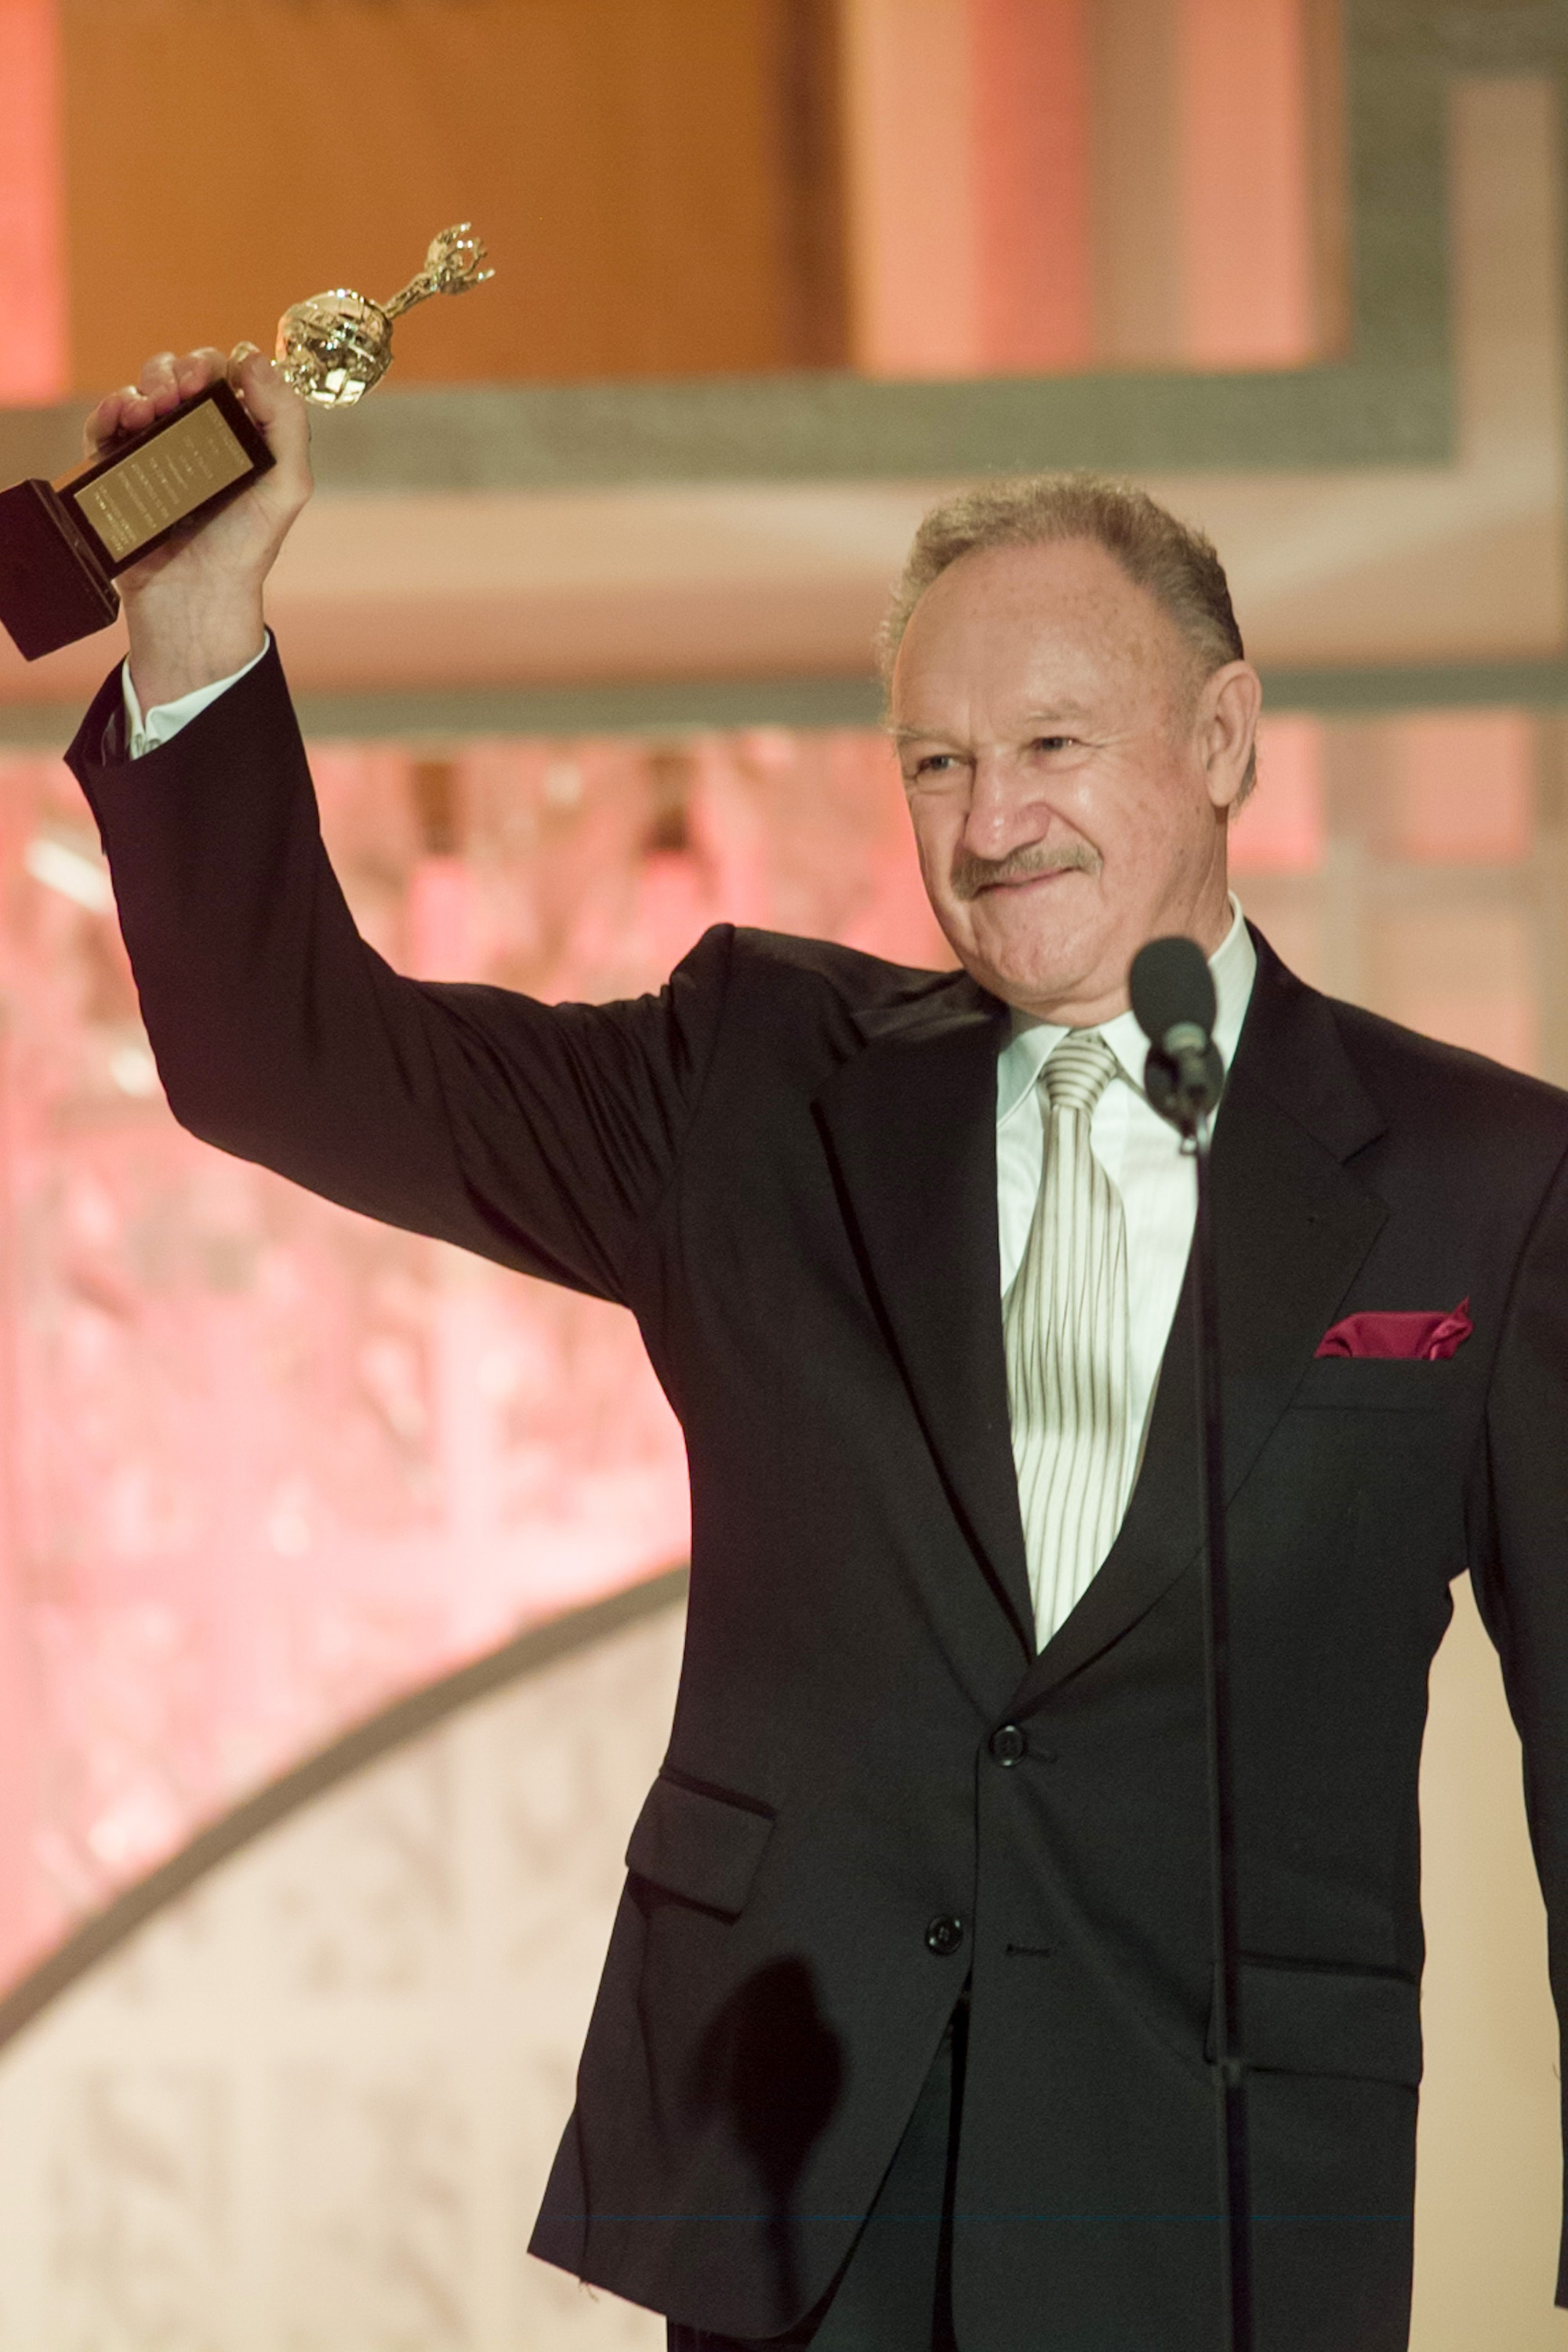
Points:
(165, 721)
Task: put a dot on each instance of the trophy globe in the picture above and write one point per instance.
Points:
(333, 347)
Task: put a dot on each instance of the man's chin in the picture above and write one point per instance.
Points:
(1030, 985)
(1027, 972)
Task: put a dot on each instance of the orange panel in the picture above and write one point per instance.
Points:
(1245, 183)
(633, 164)
(1137, 240)
(1050, 184)
(33, 359)
(1031, 183)
(968, 159)
(1464, 973)
(1281, 829)
(1021, 185)
(910, 163)
(1461, 788)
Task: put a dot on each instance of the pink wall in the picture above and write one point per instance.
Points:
(34, 361)
(262, 1463)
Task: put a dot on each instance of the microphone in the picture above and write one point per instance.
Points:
(1173, 997)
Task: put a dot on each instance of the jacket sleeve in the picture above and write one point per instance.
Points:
(1519, 1566)
(542, 1135)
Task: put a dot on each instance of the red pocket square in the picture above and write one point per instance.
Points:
(1419, 1339)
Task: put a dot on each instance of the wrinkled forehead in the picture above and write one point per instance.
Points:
(1009, 635)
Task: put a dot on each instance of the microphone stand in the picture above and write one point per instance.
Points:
(1229, 2071)
(1172, 995)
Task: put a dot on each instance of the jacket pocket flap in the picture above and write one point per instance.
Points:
(1377, 1383)
(699, 1844)
(1311, 2020)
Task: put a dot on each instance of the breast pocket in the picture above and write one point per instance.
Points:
(1375, 1384)
(699, 1844)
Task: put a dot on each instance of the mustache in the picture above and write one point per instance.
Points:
(971, 875)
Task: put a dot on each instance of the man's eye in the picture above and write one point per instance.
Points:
(1054, 743)
(933, 763)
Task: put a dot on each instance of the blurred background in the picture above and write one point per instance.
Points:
(340, 1597)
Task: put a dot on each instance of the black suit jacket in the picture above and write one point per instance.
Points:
(784, 1166)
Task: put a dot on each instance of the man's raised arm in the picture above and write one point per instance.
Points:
(542, 1135)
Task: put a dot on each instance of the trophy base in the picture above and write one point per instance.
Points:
(52, 591)
(62, 544)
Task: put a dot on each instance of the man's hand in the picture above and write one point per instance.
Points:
(194, 605)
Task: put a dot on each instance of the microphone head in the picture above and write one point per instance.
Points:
(1172, 986)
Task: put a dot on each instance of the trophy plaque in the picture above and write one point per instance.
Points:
(62, 544)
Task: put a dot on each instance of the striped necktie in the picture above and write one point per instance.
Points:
(1064, 1323)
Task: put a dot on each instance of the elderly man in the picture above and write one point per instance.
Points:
(901, 2039)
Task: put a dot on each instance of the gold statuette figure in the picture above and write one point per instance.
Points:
(332, 347)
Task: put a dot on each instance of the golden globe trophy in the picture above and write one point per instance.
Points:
(333, 347)
(62, 544)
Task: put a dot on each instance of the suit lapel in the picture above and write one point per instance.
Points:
(1292, 1226)
(911, 1129)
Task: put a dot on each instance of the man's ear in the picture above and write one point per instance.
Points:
(1225, 725)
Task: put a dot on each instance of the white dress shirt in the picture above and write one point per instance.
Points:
(1138, 1151)
(1140, 1154)
(165, 721)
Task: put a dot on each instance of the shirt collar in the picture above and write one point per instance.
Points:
(1233, 964)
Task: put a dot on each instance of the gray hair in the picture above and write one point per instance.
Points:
(1175, 562)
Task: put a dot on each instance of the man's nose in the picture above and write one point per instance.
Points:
(1003, 814)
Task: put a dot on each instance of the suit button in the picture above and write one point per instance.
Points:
(1009, 1744)
(943, 1936)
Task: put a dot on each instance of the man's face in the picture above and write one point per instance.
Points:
(1067, 776)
